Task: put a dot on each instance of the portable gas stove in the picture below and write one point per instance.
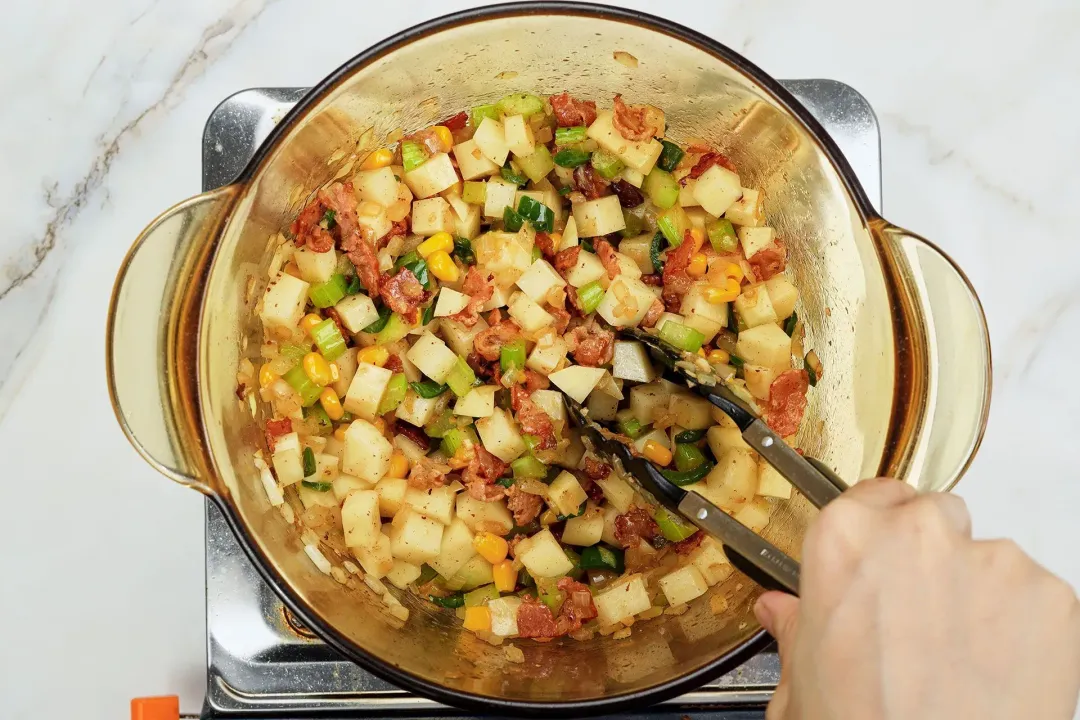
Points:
(262, 662)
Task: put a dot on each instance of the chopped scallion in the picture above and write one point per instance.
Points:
(317, 486)
(463, 250)
(428, 389)
(791, 322)
(384, 316)
(309, 462)
(570, 135)
(512, 220)
(655, 247)
(669, 156)
(511, 175)
(571, 157)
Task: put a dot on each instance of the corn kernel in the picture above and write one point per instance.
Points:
(699, 264)
(728, 293)
(657, 453)
(379, 159)
(701, 352)
(719, 357)
(548, 517)
(339, 433)
(267, 375)
(335, 372)
(317, 369)
(478, 619)
(331, 404)
(697, 237)
(309, 321)
(442, 267)
(734, 270)
(379, 424)
(373, 355)
(439, 241)
(446, 138)
(491, 547)
(505, 576)
(399, 465)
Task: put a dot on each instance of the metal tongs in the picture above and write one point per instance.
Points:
(756, 557)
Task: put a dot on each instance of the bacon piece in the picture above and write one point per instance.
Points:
(308, 232)
(637, 122)
(427, 474)
(414, 433)
(483, 368)
(565, 260)
(535, 381)
(635, 525)
(606, 253)
(455, 122)
(571, 112)
(769, 261)
(399, 228)
(532, 419)
(654, 279)
(334, 315)
(653, 314)
(525, 506)
(589, 182)
(562, 318)
(594, 491)
(534, 619)
(546, 244)
(362, 255)
(488, 343)
(690, 544)
(705, 162)
(629, 196)
(787, 402)
(676, 279)
(275, 429)
(479, 289)
(591, 345)
(404, 294)
(596, 470)
(429, 139)
(394, 364)
(578, 607)
(482, 472)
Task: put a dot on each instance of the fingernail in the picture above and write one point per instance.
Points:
(763, 612)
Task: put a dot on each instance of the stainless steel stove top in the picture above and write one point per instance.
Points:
(261, 662)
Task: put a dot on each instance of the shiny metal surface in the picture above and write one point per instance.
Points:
(257, 662)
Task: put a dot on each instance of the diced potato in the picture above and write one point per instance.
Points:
(599, 217)
(377, 186)
(601, 406)
(546, 356)
(500, 195)
(435, 503)
(693, 412)
(755, 239)
(450, 302)
(686, 194)
(771, 483)
(346, 484)
(409, 449)
(645, 400)
(626, 301)
(528, 314)
(755, 514)
(617, 491)
(518, 136)
(584, 530)
(287, 460)
(610, 513)
(311, 497)
(473, 574)
(315, 267)
(754, 306)
(500, 435)
(683, 585)
(587, 269)
(433, 215)
(419, 411)
(539, 280)
(766, 345)
(627, 265)
(366, 390)
(551, 402)
(500, 295)
(434, 359)
(717, 189)
(665, 317)
(783, 295)
(376, 558)
(640, 155)
(284, 302)
(747, 210)
(569, 236)
(473, 512)
(490, 137)
(631, 362)
(759, 380)
(367, 452)
(623, 600)
(460, 338)
(710, 560)
(379, 224)
(402, 574)
(391, 492)
(571, 456)
(722, 439)
(504, 612)
(566, 494)
(733, 481)
(360, 518)
(637, 249)
(356, 312)
(456, 549)
(577, 381)
(705, 317)
(542, 555)
(478, 402)
(431, 178)
(467, 222)
(633, 176)
(471, 162)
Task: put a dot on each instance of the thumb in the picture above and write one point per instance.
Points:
(779, 614)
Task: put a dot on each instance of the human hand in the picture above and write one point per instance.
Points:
(902, 615)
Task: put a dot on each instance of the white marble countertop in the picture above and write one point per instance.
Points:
(102, 590)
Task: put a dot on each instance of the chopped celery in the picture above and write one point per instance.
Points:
(428, 389)
(412, 155)
(528, 467)
(442, 424)
(322, 422)
(673, 527)
(301, 383)
(531, 441)
(479, 112)
(571, 157)
(480, 596)
(549, 594)
(520, 104)
(687, 456)
(791, 322)
(570, 135)
(394, 393)
(328, 293)
(655, 247)
(512, 355)
(669, 156)
(474, 193)
(601, 557)
(674, 223)
(396, 328)
(461, 378)
(689, 436)
(328, 338)
(681, 336)
(455, 437)
(688, 477)
(511, 175)
(661, 188)
(632, 427)
(429, 312)
(537, 213)
(590, 296)
(722, 236)
(512, 221)
(537, 253)
(634, 224)
(537, 164)
(294, 351)
(463, 250)
(309, 462)
(606, 164)
(378, 325)
(317, 486)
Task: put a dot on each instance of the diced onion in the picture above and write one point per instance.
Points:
(373, 582)
(621, 634)
(339, 574)
(273, 492)
(514, 654)
(351, 567)
(318, 558)
(624, 58)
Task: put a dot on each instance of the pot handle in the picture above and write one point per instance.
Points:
(957, 353)
(151, 300)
